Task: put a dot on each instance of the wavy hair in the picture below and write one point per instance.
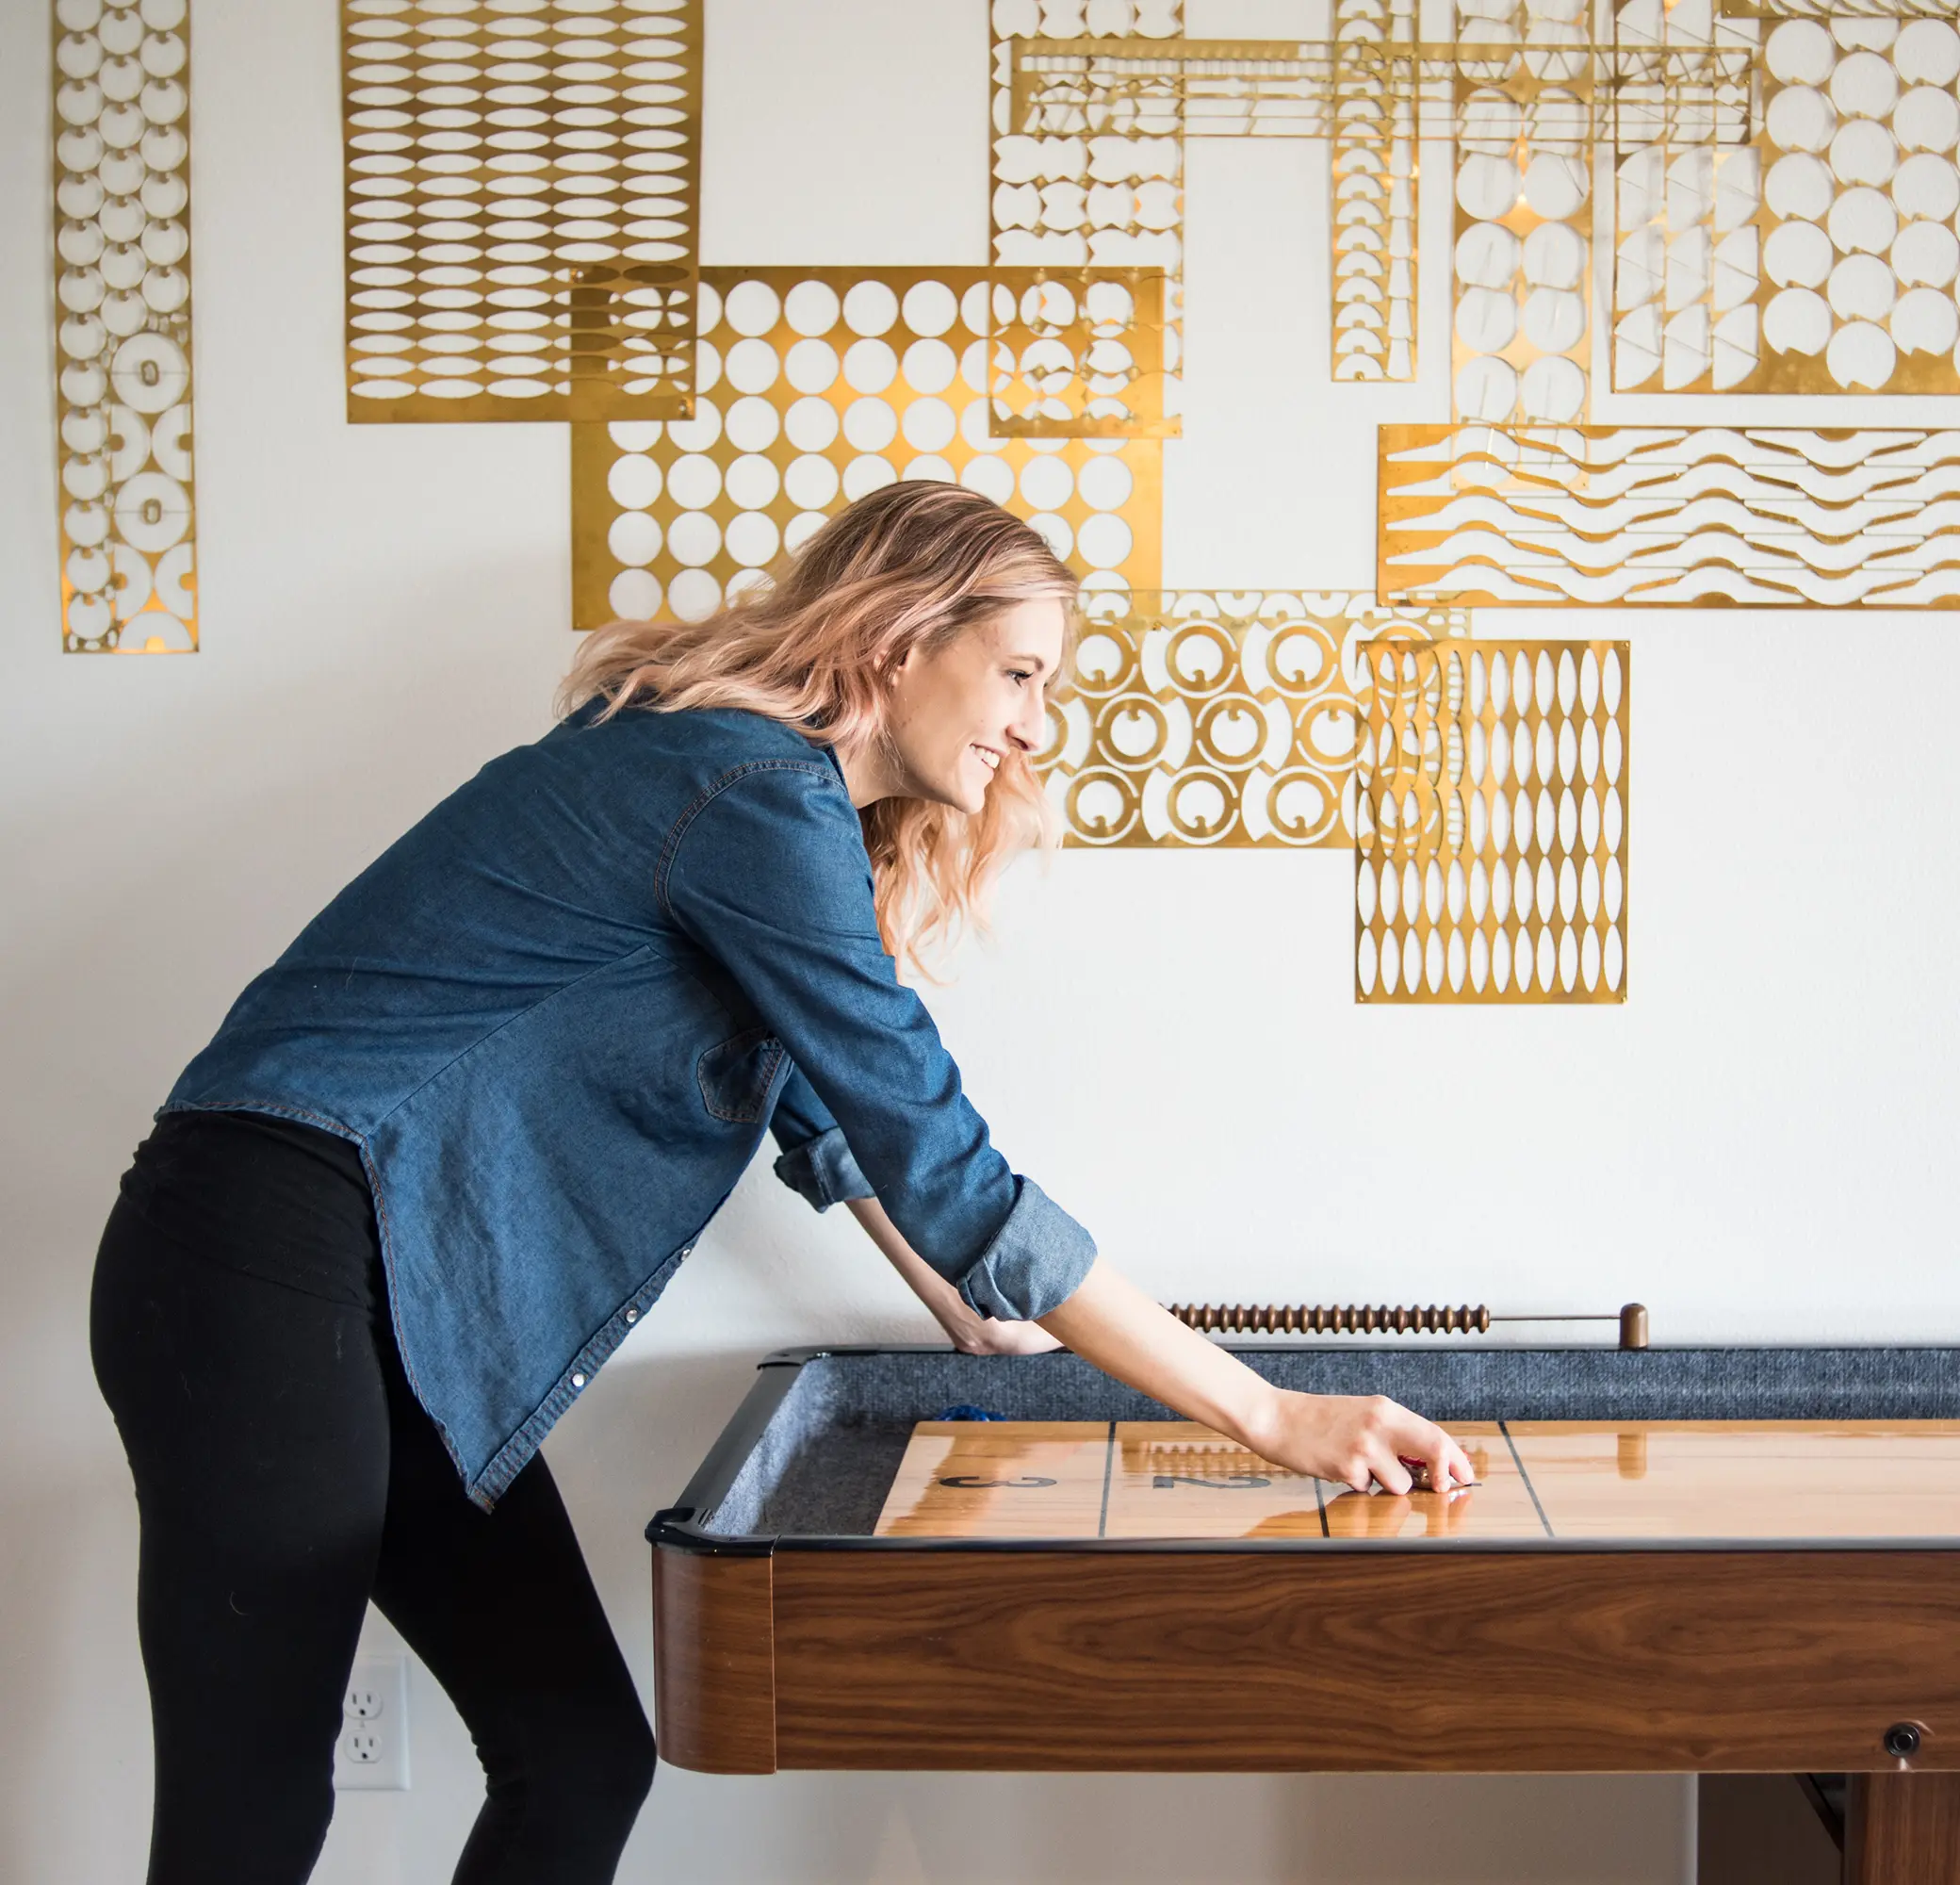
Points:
(908, 567)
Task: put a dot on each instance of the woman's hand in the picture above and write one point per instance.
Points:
(1356, 1439)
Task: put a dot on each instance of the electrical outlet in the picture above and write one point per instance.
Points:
(372, 1750)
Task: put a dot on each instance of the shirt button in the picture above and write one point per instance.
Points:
(632, 1315)
(578, 1380)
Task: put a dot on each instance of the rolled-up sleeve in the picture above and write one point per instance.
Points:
(816, 1160)
(768, 873)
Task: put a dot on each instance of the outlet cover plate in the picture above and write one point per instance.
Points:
(372, 1750)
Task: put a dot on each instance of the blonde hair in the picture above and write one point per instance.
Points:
(910, 567)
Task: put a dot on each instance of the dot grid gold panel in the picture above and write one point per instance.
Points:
(1669, 516)
(1200, 717)
(1069, 195)
(121, 131)
(522, 195)
(815, 386)
(1490, 851)
(1860, 218)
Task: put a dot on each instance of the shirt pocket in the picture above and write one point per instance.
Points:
(736, 1077)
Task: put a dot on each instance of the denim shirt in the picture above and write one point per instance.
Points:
(557, 1017)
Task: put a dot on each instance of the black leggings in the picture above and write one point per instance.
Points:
(285, 1473)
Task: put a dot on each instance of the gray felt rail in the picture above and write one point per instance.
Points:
(822, 1464)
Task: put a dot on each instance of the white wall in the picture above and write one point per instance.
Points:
(1758, 1144)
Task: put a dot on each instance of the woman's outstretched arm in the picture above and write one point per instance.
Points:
(1352, 1438)
(1112, 1323)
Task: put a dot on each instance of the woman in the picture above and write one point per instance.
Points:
(450, 1148)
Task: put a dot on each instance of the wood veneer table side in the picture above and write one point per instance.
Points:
(1391, 1661)
(714, 1661)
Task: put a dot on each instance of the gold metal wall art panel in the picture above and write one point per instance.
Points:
(1860, 257)
(1090, 87)
(1490, 852)
(122, 172)
(1107, 85)
(1521, 312)
(522, 199)
(1077, 353)
(1669, 516)
(1372, 91)
(1825, 10)
(1374, 171)
(813, 386)
(1687, 261)
(1065, 195)
(1828, 260)
(1202, 717)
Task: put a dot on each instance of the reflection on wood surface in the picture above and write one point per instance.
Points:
(1715, 1478)
(1596, 1480)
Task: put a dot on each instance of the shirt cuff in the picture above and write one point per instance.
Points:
(823, 1170)
(1034, 1265)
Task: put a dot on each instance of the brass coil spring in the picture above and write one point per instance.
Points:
(1346, 1318)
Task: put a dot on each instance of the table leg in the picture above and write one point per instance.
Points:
(1903, 1829)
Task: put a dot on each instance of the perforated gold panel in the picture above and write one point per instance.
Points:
(121, 125)
(1373, 278)
(1521, 310)
(1201, 717)
(1826, 260)
(1094, 86)
(1067, 195)
(522, 193)
(1688, 251)
(1860, 191)
(1078, 355)
(816, 386)
(1489, 858)
(1824, 9)
(1669, 516)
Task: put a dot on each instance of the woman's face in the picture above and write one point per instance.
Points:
(961, 711)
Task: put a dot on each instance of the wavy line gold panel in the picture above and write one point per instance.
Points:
(1490, 854)
(522, 203)
(815, 386)
(1199, 717)
(1067, 196)
(1689, 517)
(122, 134)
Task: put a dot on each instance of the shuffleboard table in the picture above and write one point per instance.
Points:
(1674, 1560)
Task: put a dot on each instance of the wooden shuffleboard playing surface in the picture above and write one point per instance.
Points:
(1575, 1480)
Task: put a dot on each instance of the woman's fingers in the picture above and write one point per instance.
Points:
(1426, 1458)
